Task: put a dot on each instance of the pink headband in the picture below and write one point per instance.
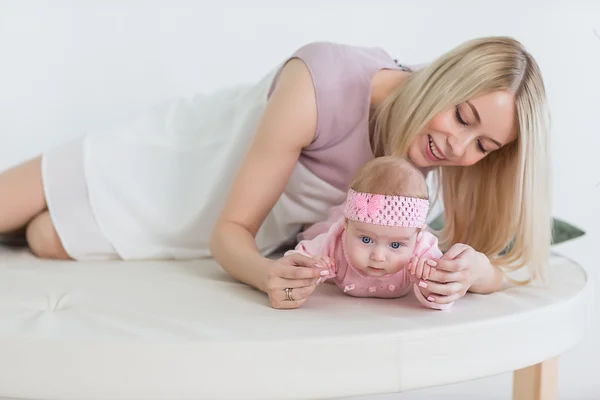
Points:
(409, 212)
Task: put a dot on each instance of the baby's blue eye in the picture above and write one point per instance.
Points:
(366, 239)
(395, 245)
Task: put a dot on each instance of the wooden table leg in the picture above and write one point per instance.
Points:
(537, 382)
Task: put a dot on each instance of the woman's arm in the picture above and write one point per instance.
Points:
(489, 279)
(287, 125)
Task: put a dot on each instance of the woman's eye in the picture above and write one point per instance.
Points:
(459, 117)
(481, 148)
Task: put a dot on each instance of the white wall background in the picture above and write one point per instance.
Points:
(68, 66)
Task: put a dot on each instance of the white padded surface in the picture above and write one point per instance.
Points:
(186, 330)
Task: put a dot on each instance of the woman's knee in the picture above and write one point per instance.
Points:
(43, 240)
(21, 195)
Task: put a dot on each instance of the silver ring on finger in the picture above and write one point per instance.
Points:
(288, 294)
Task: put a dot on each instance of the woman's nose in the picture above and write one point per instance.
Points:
(458, 144)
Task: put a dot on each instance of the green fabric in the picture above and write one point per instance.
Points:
(562, 231)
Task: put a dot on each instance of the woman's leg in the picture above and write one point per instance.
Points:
(21, 195)
(43, 240)
(23, 207)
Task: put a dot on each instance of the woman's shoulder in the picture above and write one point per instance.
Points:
(334, 64)
(341, 75)
(342, 55)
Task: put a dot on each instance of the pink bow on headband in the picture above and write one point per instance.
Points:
(369, 209)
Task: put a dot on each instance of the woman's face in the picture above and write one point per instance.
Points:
(465, 134)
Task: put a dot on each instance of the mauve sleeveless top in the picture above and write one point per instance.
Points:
(342, 76)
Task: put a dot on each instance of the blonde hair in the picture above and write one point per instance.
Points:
(501, 205)
(391, 176)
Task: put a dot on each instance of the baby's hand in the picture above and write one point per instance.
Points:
(421, 268)
(324, 262)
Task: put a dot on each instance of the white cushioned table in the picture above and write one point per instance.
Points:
(186, 330)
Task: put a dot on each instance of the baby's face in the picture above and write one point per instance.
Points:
(379, 250)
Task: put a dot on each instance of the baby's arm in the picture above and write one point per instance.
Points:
(320, 250)
(426, 250)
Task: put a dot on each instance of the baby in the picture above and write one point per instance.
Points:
(368, 250)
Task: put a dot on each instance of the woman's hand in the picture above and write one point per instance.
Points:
(455, 273)
(291, 280)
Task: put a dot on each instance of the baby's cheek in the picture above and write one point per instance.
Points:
(403, 258)
(356, 254)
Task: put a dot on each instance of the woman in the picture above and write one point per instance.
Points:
(477, 115)
(254, 164)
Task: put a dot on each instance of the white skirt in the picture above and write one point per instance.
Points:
(68, 202)
(154, 187)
